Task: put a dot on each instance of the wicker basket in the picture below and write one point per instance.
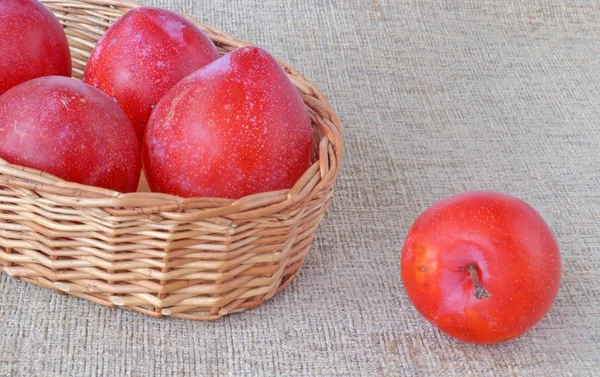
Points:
(158, 254)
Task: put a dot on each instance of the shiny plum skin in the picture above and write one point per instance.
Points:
(514, 253)
(234, 128)
(143, 55)
(33, 43)
(69, 129)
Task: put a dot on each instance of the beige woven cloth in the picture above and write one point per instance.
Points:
(436, 97)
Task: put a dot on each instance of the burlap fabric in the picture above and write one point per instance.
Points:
(436, 97)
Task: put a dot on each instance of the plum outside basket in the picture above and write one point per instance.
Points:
(162, 255)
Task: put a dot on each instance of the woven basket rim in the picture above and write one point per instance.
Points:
(320, 111)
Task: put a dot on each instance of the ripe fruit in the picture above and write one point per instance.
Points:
(234, 128)
(143, 55)
(71, 130)
(481, 266)
(33, 43)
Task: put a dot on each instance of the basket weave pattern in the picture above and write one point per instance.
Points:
(158, 254)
